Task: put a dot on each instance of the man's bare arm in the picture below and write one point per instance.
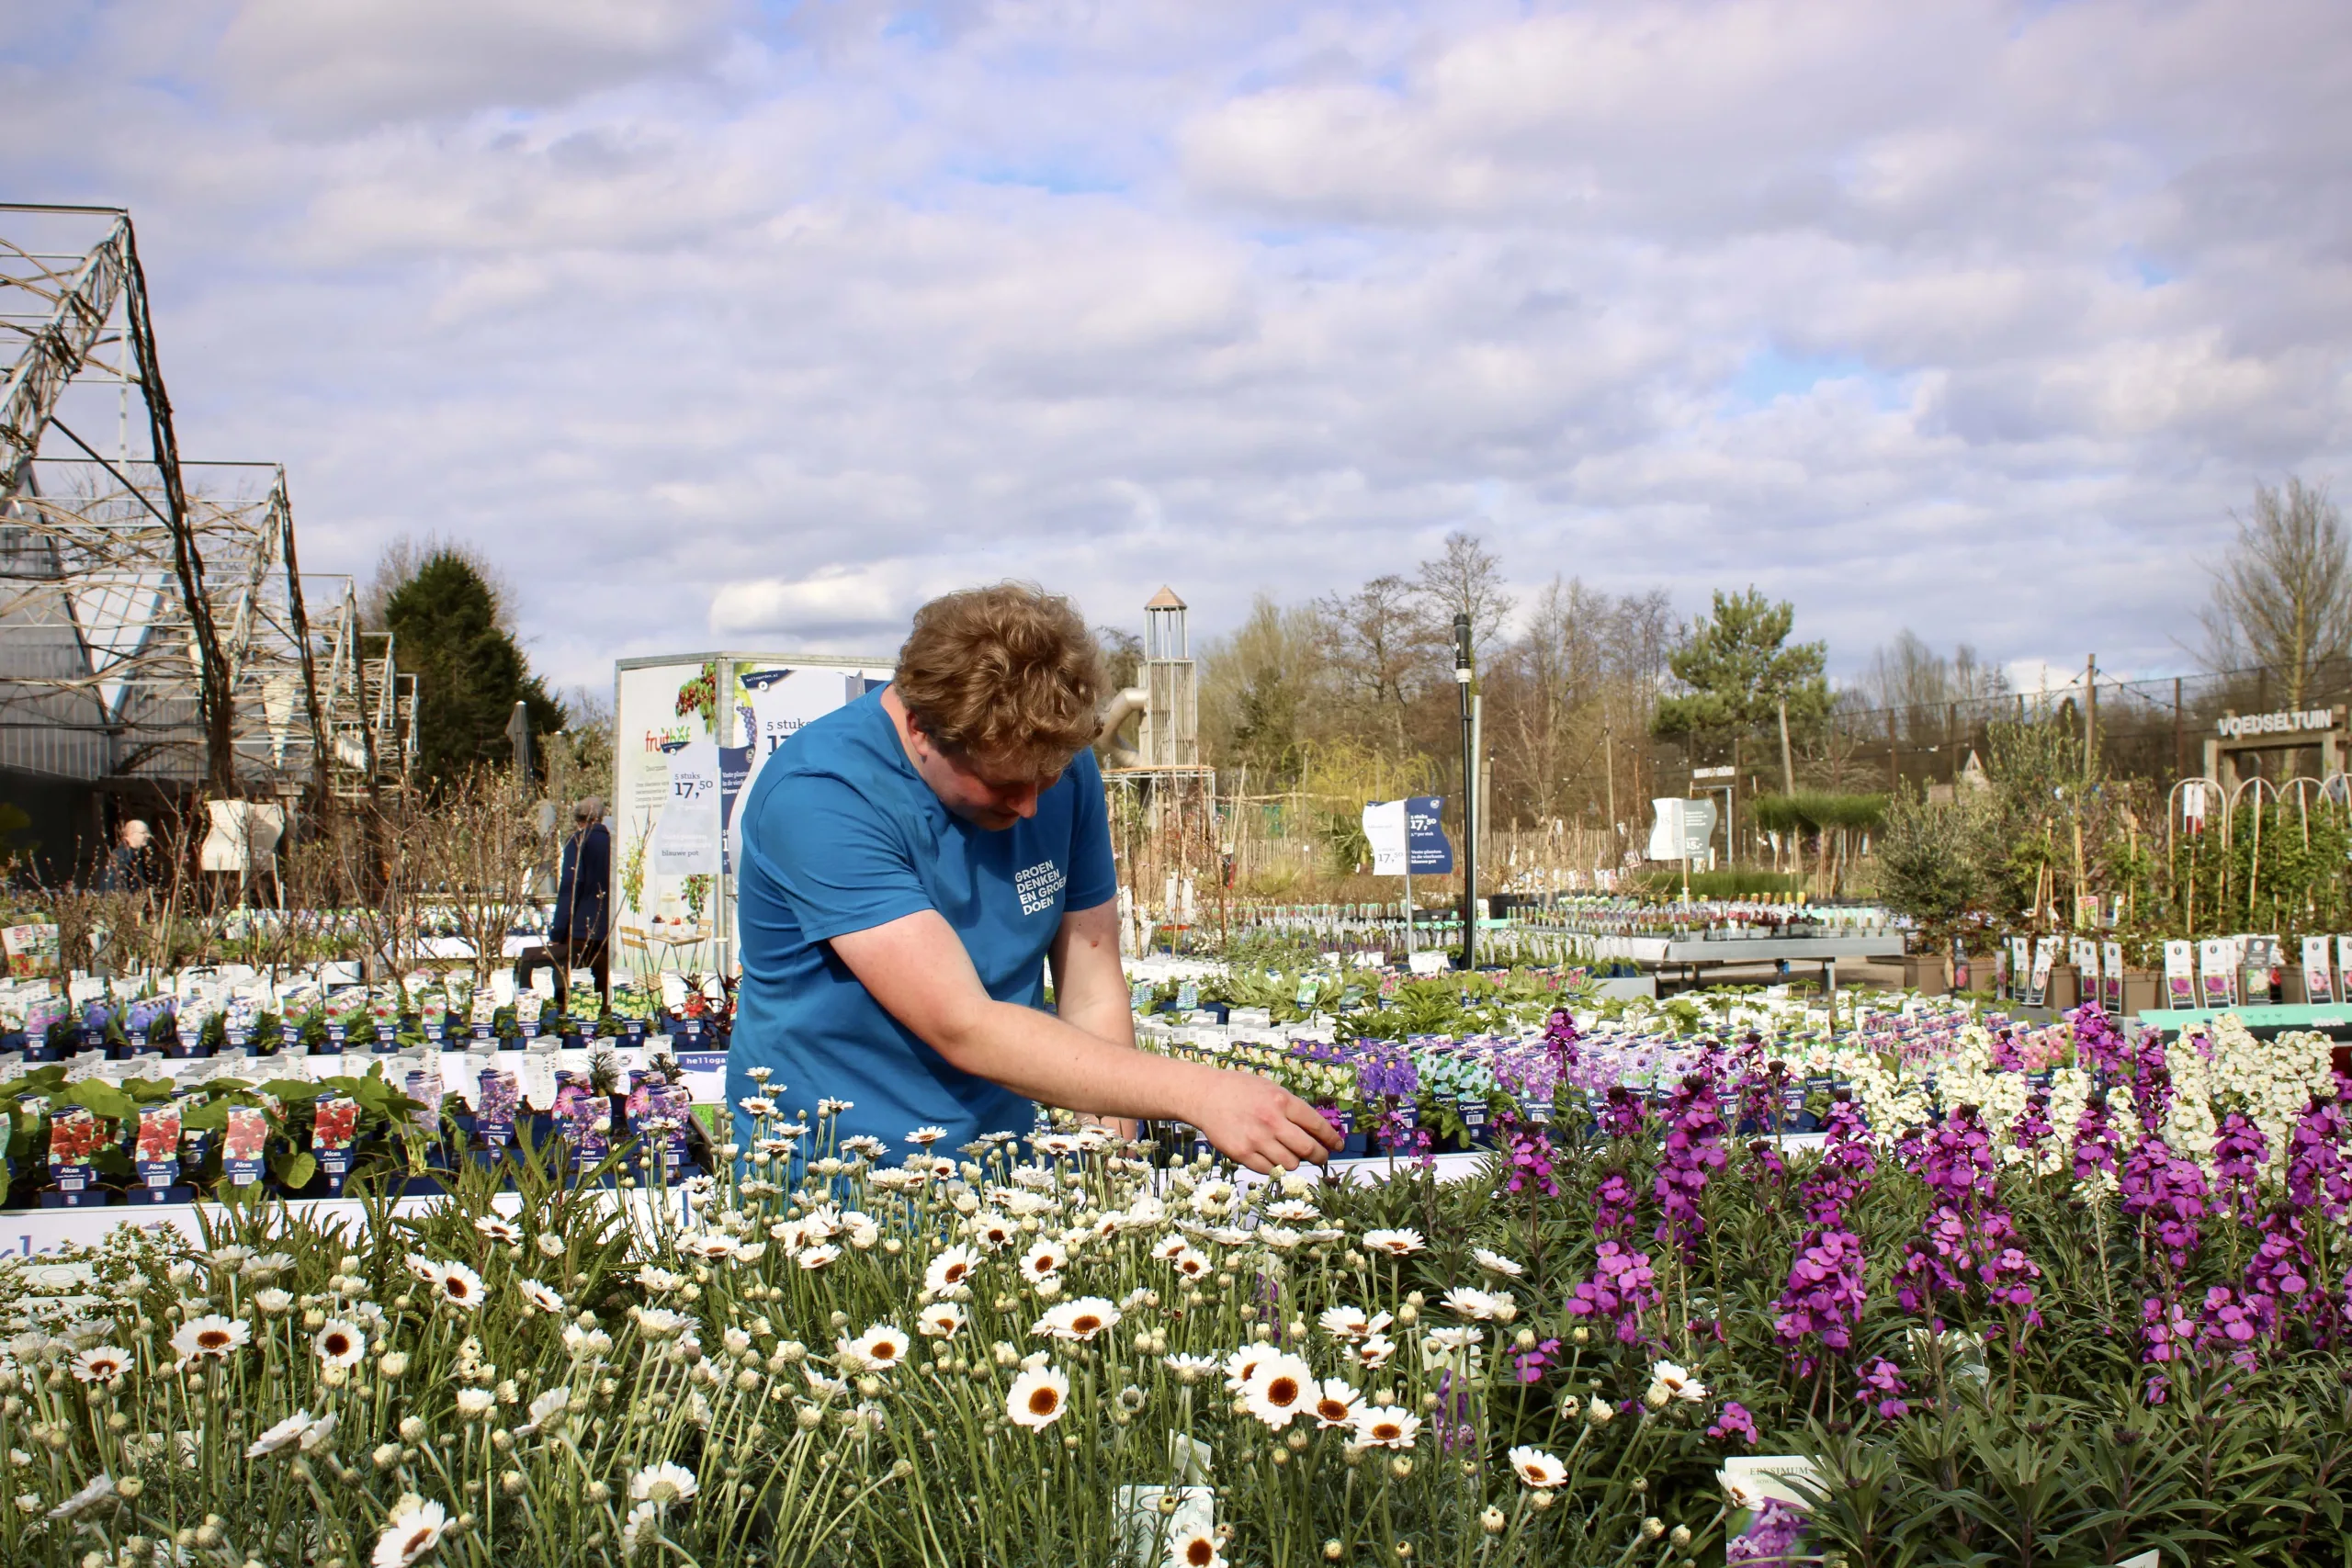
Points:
(917, 968)
(1089, 987)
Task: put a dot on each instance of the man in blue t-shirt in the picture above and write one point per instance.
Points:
(911, 865)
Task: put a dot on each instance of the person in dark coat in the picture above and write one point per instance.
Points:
(127, 869)
(577, 935)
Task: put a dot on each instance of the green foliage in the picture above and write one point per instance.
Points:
(471, 673)
(1935, 857)
(1812, 810)
(1739, 665)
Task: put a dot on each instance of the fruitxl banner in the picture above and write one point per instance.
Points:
(692, 733)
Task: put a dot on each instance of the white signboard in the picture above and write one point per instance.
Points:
(1684, 828)
(685, 843)
(1383, 829)
(690, 736)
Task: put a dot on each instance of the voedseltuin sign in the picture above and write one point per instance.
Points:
(2234, 725)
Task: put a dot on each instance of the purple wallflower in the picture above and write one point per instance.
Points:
(2099, 1044)
(1956, 1160)
(1530, 1157)
(1613, 1207)
(1845, 1171)
(2239, 1150)
(1882, 1389)
(2167, 1194)
(1694, 1133)
(2033, 1125)
(2316, 1171)
(1823, 1299)
(1733, 1422)
(1622, 1291)
(1530, 1365)
(1624, 1114)
(2279, 1275)
(2095, 1140)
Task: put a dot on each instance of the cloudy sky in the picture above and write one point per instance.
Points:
(720, 323)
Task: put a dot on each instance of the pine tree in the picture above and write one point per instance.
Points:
(471, 674)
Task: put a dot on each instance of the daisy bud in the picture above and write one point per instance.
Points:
(1492, 1520)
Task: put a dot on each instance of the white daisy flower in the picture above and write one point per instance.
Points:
(1387, 1427)
(1279, 1387)
(414, 1529)
(1045, 1257)
(1464, 1301)
(659, 1323)
(642, 1527)
(879, 1349)
(211, 1334)
(658, 1281)
(1395, 1242)
(545, 1408)
(1080, 1319)
(1495, 1263)
(284, 1435)
(1037, 1398)
(1335, 1403)
(538, 1295)
(924, 1137)
(1196, 1548)
(992, 1231)
(1191, 1368)
(950, 1269)
(101, 1363)
(1538, 1469)
(1670, 1382)
(426, 1270)
(98, 1490)
(474, 1402)
(664, 1484)
(340, 1343)
(815, 1258)
(941, 1320)
(273, 1301)
(460, 1286)
(498, 1230)
(1352, 1324)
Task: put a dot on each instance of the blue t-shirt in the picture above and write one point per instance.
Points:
(840, 835)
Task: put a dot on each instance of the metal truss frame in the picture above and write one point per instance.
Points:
(153, 618)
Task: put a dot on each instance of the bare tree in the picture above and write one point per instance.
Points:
(1466, 580)
(477, 847)
(399, 561)
(2282, 598)
(1921, 684)
(1377, 640)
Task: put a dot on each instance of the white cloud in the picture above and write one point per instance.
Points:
(1968, 316)
(330, 66)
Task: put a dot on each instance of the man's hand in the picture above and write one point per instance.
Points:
(1258, 1123)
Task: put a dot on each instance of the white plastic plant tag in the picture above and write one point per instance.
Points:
(673, 989)
(1749, 1479)
(1190, 1457)
(543, 984)
(2147, 1558)
(1153, 1523)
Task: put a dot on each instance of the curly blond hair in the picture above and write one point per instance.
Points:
(1006, 675)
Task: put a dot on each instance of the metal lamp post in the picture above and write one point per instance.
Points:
(1461, 673)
